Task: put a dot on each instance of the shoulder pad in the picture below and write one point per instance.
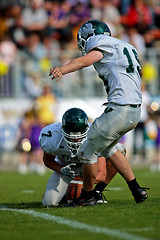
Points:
(51, 137)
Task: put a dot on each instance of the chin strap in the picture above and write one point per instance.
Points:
(73, 153)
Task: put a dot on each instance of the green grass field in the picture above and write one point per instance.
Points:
(23, 217)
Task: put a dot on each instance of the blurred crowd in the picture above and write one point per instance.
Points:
(41, 114)
(28, 22)
(43, 34)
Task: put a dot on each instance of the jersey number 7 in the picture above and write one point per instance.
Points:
(49, 134)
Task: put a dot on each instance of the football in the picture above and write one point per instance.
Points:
(74, 189)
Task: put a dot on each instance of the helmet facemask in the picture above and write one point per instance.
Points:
(74, 128)
(74, 140)
(84, 33)
(81, 45)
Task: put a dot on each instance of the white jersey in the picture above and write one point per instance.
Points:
(52, 142)
(119, 69)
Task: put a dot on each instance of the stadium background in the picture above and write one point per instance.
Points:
(30, 46)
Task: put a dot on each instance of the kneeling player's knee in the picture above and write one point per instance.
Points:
(49, 199)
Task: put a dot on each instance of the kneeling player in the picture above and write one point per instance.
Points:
(60, 143)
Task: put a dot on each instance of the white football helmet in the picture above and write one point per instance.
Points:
(88, 29)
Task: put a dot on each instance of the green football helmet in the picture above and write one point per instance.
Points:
(91, 28)
(74, 127)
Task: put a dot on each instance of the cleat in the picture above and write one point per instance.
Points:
(81, 202)
(140, 195)
(100, 198)
(63, 200)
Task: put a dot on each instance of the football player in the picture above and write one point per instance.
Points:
(60, 142)
(117, 64)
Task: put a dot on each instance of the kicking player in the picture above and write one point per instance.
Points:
(117, 64)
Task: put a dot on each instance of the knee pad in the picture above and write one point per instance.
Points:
(121, 148)
(118, 146)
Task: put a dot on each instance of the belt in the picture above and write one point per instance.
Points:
(135, 105)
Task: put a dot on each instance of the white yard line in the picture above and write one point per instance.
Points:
(77, 225)
(114, 188)
(138, 229)
(27, 191)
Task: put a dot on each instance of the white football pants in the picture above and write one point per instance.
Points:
(107, 130)
(56, 189)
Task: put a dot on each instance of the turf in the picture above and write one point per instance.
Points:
(121, 214)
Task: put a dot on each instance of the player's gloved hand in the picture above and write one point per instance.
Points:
(68, 171)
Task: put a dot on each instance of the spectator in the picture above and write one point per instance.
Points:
(18, 34)
(14, 12)
(156, 12)
(96, 9)
(48, 6)
(35, 47)
(52, 49)
(28, 144)
(124, 6)
(132, 36)
(36, 164)
(59, 21)
(32, 85)
(8, 53)
(23, 145)
(8, 50)
(3, 22)
(149, 38)
(110, 13)
(151, 132)
(45, 106)
(139, 136)
(80, 13)
(35, 18)
(139, 16)
(155, 165)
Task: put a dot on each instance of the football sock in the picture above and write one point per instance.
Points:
(133, 185)
(100, 186)
(87, 194)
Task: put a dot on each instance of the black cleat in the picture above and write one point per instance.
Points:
(81, 202)
(100, 198)
(140, 195)
(64, 200)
